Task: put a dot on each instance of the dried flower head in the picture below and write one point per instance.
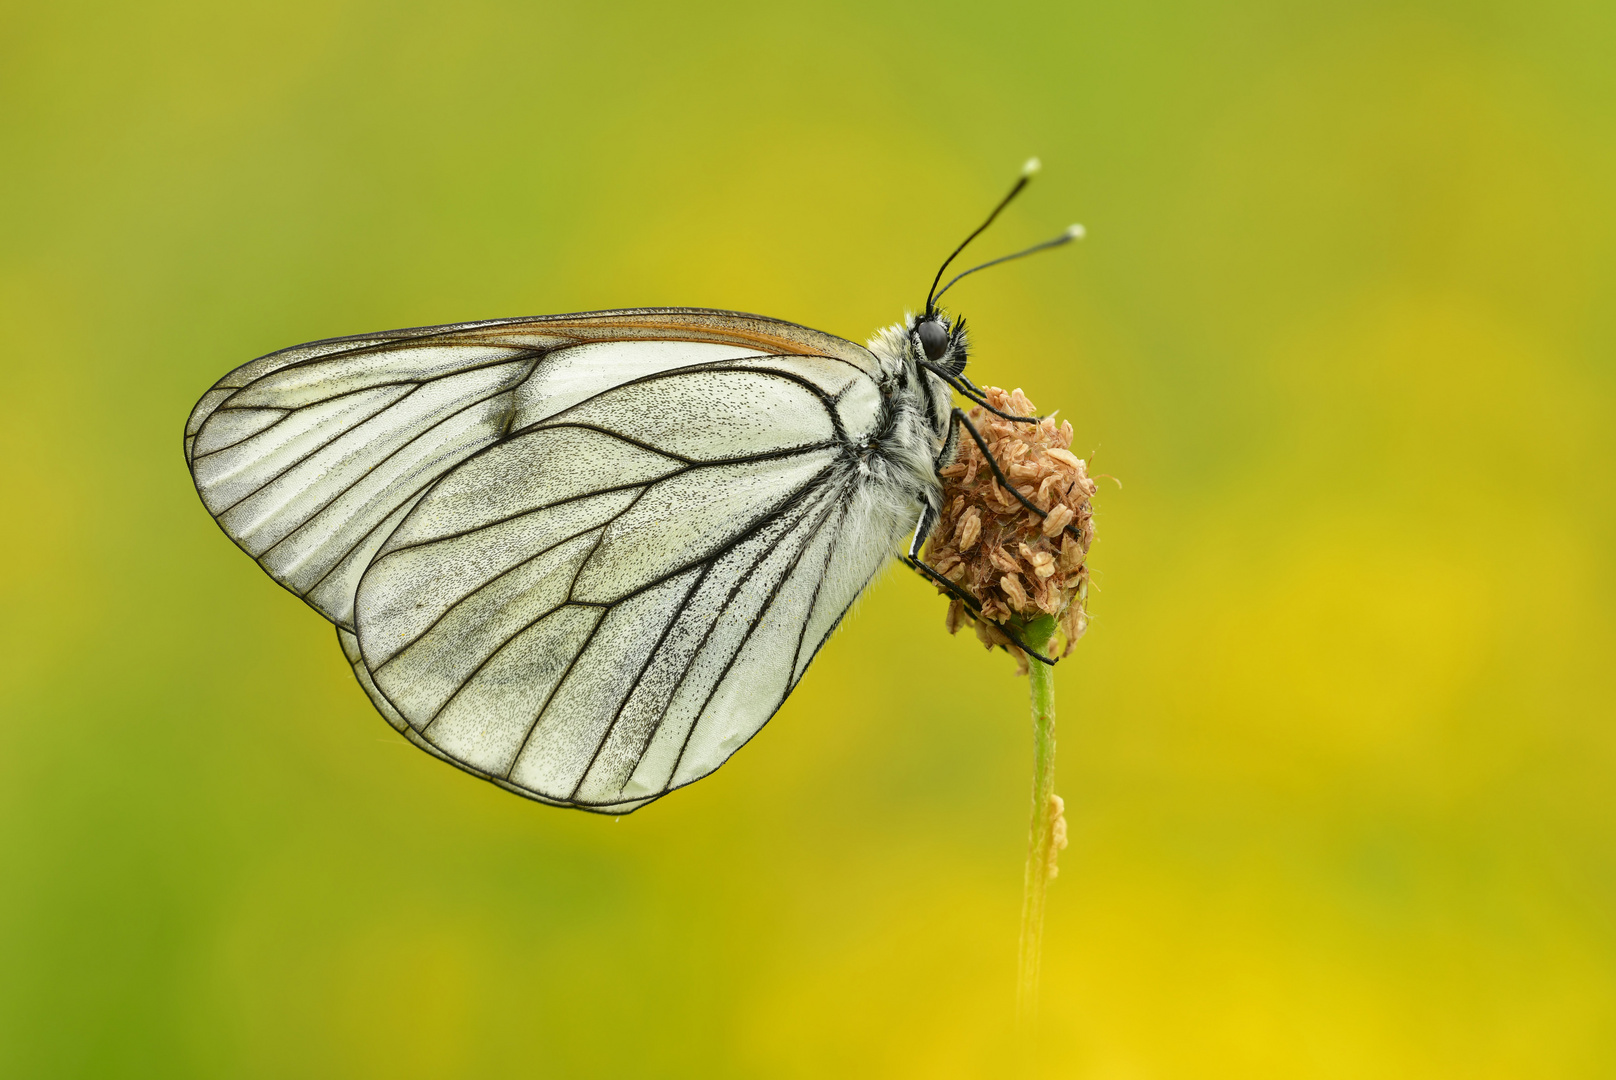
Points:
(1017, 564)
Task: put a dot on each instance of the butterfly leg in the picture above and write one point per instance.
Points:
(977, 394)
(998, 474)
(971, 391)
(943, 583)
(928, 520)
(973, 607)
(923, 528)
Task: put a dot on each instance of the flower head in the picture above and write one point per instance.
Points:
(1016, 563)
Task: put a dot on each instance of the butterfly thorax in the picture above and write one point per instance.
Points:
(917, 432)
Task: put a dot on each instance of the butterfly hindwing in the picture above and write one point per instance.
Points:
(594, 622)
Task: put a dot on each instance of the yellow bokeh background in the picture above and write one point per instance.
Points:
(1339, 752)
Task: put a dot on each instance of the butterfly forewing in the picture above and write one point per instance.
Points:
(585, 557)
(309, 457)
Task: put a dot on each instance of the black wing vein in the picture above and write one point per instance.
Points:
(774, 592)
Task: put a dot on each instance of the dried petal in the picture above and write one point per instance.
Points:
(984, 633)
(1011, 584)
(1058, 519)
(1003, 559)
(970, 528)
(1071, 554)
(1065, 457)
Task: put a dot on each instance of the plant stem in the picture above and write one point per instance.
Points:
(1041, 680)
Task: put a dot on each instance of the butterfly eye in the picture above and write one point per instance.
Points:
(933, 338)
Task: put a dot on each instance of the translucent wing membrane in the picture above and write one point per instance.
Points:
(584, 557)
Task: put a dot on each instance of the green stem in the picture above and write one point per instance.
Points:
(1041, 680)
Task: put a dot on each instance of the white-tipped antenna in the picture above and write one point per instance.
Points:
(1070, 233)
(1032, 166)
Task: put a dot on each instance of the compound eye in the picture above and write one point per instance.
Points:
(933, 338)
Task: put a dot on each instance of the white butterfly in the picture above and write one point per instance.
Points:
(586, 557)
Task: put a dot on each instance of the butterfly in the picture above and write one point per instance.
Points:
(586, 557)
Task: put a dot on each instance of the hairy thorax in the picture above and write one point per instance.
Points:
(912, 441)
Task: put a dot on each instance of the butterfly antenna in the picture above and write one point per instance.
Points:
(1027, 171)
(1073, 232)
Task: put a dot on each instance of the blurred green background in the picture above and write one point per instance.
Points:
(1339, 750)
